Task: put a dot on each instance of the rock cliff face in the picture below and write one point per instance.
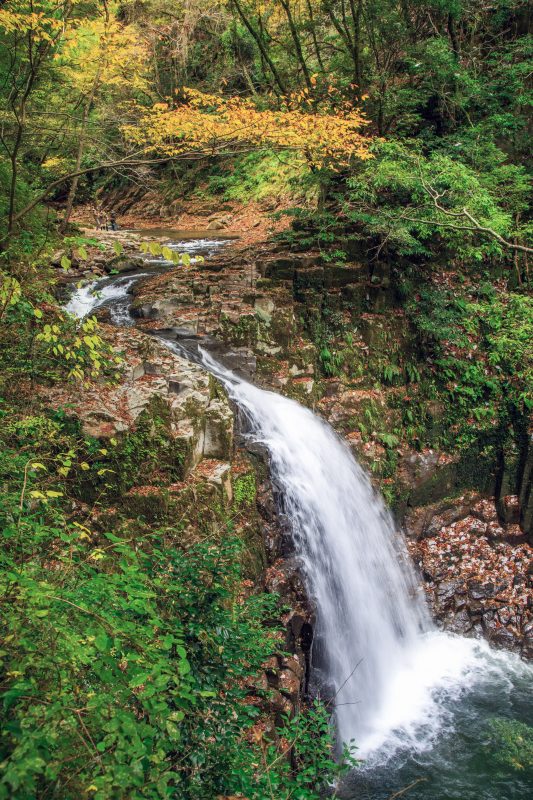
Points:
(180, 462)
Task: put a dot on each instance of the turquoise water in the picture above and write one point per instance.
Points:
(483, 750)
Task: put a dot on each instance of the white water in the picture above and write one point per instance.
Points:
(393, 677)
(97, 293)
(111, 290)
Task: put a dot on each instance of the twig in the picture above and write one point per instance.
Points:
(406, 788)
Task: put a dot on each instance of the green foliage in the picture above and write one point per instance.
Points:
(512, 745)
(487, 390)
(40, 341)
(77, 350)
(414, 202)
(259, 177)
(128, 655)
(244, 490)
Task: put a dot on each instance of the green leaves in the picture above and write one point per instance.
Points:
(10, 292)
(155, 249)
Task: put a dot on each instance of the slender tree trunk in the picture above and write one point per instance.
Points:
(452, 33)
(85, 119)
(261, 45)
(297, 43)
(79, 155)
(248, 78)
(14, 174)
(313, 34)
(356, 11)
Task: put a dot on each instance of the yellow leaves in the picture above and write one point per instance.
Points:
(105, 52)
(37, 495)
(10, 292)
(208, 121)
(84, 533)
(21, 19)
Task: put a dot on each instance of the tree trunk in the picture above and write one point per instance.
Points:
(261, 45)
(297, 43)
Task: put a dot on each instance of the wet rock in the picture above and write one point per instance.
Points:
(123, 264)
(501, 636)
(446, 591)
(478, 591)
(459, 622)
(102, 314)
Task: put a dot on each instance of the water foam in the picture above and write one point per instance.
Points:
(98, 293)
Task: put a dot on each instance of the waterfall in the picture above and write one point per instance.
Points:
(395, 681)
(406, 693)
(357, 571)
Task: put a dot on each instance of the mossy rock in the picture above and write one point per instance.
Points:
(150, 503)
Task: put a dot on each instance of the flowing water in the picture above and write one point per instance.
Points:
(419, 703)
(113, 292)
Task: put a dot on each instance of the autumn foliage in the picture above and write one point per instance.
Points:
(212, 123)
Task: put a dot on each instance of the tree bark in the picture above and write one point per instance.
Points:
(297, 43)
(261, 45)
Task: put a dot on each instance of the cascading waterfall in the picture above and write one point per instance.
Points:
(392, 677)
(406, 693)
(355, 565)
(369, 613)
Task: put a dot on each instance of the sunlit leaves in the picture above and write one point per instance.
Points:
(209, 121)
(10, 292)
(156, 249)
(83, 353)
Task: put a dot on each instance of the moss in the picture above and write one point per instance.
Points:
(149, 503)
(243, 332)
(150, 451)
(244, 491)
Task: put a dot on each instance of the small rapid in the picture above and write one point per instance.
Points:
(113, 291)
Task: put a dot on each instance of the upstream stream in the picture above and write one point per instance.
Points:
(423, 707)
